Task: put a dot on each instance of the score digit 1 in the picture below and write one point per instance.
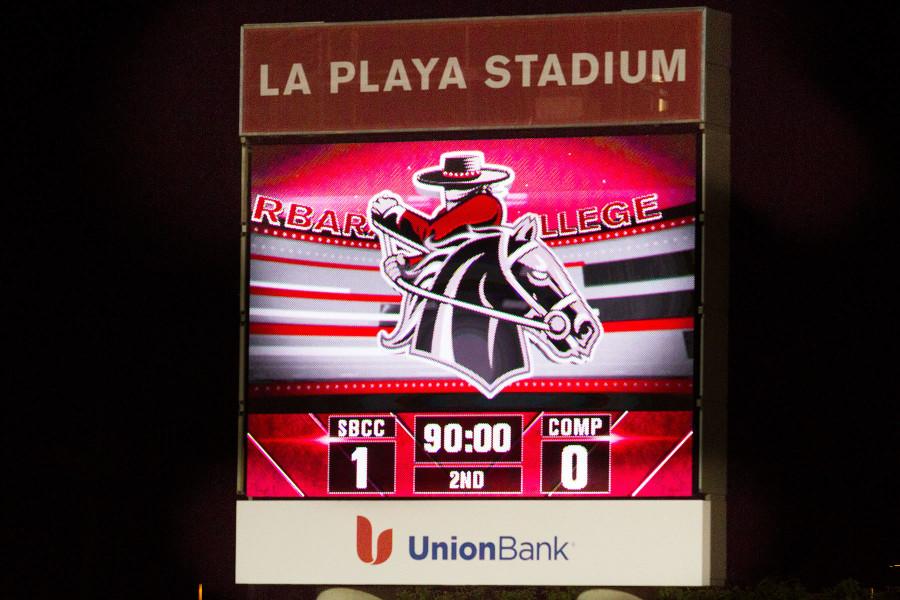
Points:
(361, 454)
(361, 457)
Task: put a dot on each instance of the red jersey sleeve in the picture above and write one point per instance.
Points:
(479, 210)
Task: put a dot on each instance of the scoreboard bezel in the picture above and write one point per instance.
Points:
(469, 403)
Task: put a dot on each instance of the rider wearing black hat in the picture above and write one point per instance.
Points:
(464, 183)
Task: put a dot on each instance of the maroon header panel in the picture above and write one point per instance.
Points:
(601, 69)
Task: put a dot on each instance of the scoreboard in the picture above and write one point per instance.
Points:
(581, 415)
(512, 454)
(482, 299)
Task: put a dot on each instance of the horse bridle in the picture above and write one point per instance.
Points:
(554, 322)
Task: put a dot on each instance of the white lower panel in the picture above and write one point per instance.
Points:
(541, 542)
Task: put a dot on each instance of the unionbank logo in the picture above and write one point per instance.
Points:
(364, 542)
(426, 547)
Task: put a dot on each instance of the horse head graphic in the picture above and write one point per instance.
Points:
(474, 302)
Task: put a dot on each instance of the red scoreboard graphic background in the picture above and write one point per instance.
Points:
(631, 454)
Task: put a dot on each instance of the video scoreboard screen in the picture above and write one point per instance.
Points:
(508, 317)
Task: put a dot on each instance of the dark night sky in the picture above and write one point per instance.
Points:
(125, 256)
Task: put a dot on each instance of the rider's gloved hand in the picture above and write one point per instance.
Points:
(394, 266)
(384, 205)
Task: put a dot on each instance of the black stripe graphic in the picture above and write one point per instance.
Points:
(389, 309)
(677, 212)
(650, 306)
(676, 264)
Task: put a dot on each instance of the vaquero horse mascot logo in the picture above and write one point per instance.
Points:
(477, 292)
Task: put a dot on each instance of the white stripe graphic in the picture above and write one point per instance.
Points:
(283, 313)
(323, 351)
(640, 288)
(318, 422)
(660, 465)
(275, 464)
(619, 420)
(292, 286)
(532, 424)
(403, 427)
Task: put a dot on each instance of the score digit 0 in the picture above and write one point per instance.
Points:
(485, 439)
(574, 467)
(575, 454)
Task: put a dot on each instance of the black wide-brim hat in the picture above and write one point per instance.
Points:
(462, 171)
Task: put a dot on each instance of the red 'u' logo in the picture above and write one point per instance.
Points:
(364, 542)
